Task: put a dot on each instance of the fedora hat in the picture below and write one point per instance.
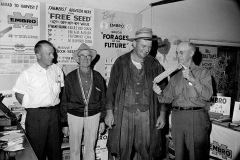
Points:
(143, 33)
(82, 47)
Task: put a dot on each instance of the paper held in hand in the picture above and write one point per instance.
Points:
(166, 73)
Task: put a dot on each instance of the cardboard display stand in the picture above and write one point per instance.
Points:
(236, 112)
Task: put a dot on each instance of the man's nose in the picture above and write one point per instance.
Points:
(147, 49)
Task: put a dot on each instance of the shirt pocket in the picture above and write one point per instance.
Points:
(191, 91)
(129, 100)
(56, 87)
(145, 97)
(97, 93)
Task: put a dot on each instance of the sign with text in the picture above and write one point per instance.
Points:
(236, 112)
(112, 29)
(220, 104)
(19, 31)
(223, 143)
(101, 147)
(19, 22)
(68, 27)
(209, 54)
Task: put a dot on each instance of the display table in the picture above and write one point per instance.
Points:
(26, 154)
(224, 141)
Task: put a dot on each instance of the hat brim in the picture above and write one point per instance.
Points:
(145, 38)
(75, 54)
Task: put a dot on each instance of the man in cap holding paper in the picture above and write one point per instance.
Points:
(83, 104)
(134, 115)
(189, 91)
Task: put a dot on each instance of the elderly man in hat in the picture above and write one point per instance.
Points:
(134, 115)
(83, 105)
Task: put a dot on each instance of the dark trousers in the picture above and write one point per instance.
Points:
(135, 136)
(191, 134)
(43, 132)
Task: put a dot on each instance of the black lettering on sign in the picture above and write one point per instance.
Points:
(82, 18)
(60, 16)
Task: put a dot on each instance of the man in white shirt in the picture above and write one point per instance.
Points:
(37, 89)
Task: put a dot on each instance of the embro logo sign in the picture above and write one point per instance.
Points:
(27, 21)
(221, 150)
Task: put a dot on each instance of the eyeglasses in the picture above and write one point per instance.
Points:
(85, 57)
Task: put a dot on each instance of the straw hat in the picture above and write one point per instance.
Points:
(143, 33)
(82, 47)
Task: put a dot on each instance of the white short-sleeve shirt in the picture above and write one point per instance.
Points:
(40, 86)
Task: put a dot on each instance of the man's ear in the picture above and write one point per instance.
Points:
(38, 55)
(192, 53)
(134, 43)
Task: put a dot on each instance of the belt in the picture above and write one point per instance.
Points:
(187, 108)
(50, 107)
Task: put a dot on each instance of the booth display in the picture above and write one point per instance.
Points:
(236, 113)
(224, 137)
(224, 141)
(19, 150)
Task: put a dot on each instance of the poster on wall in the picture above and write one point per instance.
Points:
(167, 59)
(68, 27)
(166, 52)
(209, 54)
(112, 31)
(19, 32)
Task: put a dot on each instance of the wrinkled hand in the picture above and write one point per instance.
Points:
(101, 127)
(109, 119)
(65, 131)
(161, 121)
(188, 75)
(156, 88)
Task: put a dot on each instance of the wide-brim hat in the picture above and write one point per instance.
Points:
(143, 33)
(82, 47)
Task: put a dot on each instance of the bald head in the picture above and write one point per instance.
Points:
(185, 53)
(185, 45)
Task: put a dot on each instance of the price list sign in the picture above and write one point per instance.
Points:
(68, 26)
(220, 104)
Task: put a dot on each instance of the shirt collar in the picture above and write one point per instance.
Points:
(40, 68)
(192, 66)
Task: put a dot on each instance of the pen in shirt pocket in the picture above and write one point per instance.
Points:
(97, 89)
(58, 79)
